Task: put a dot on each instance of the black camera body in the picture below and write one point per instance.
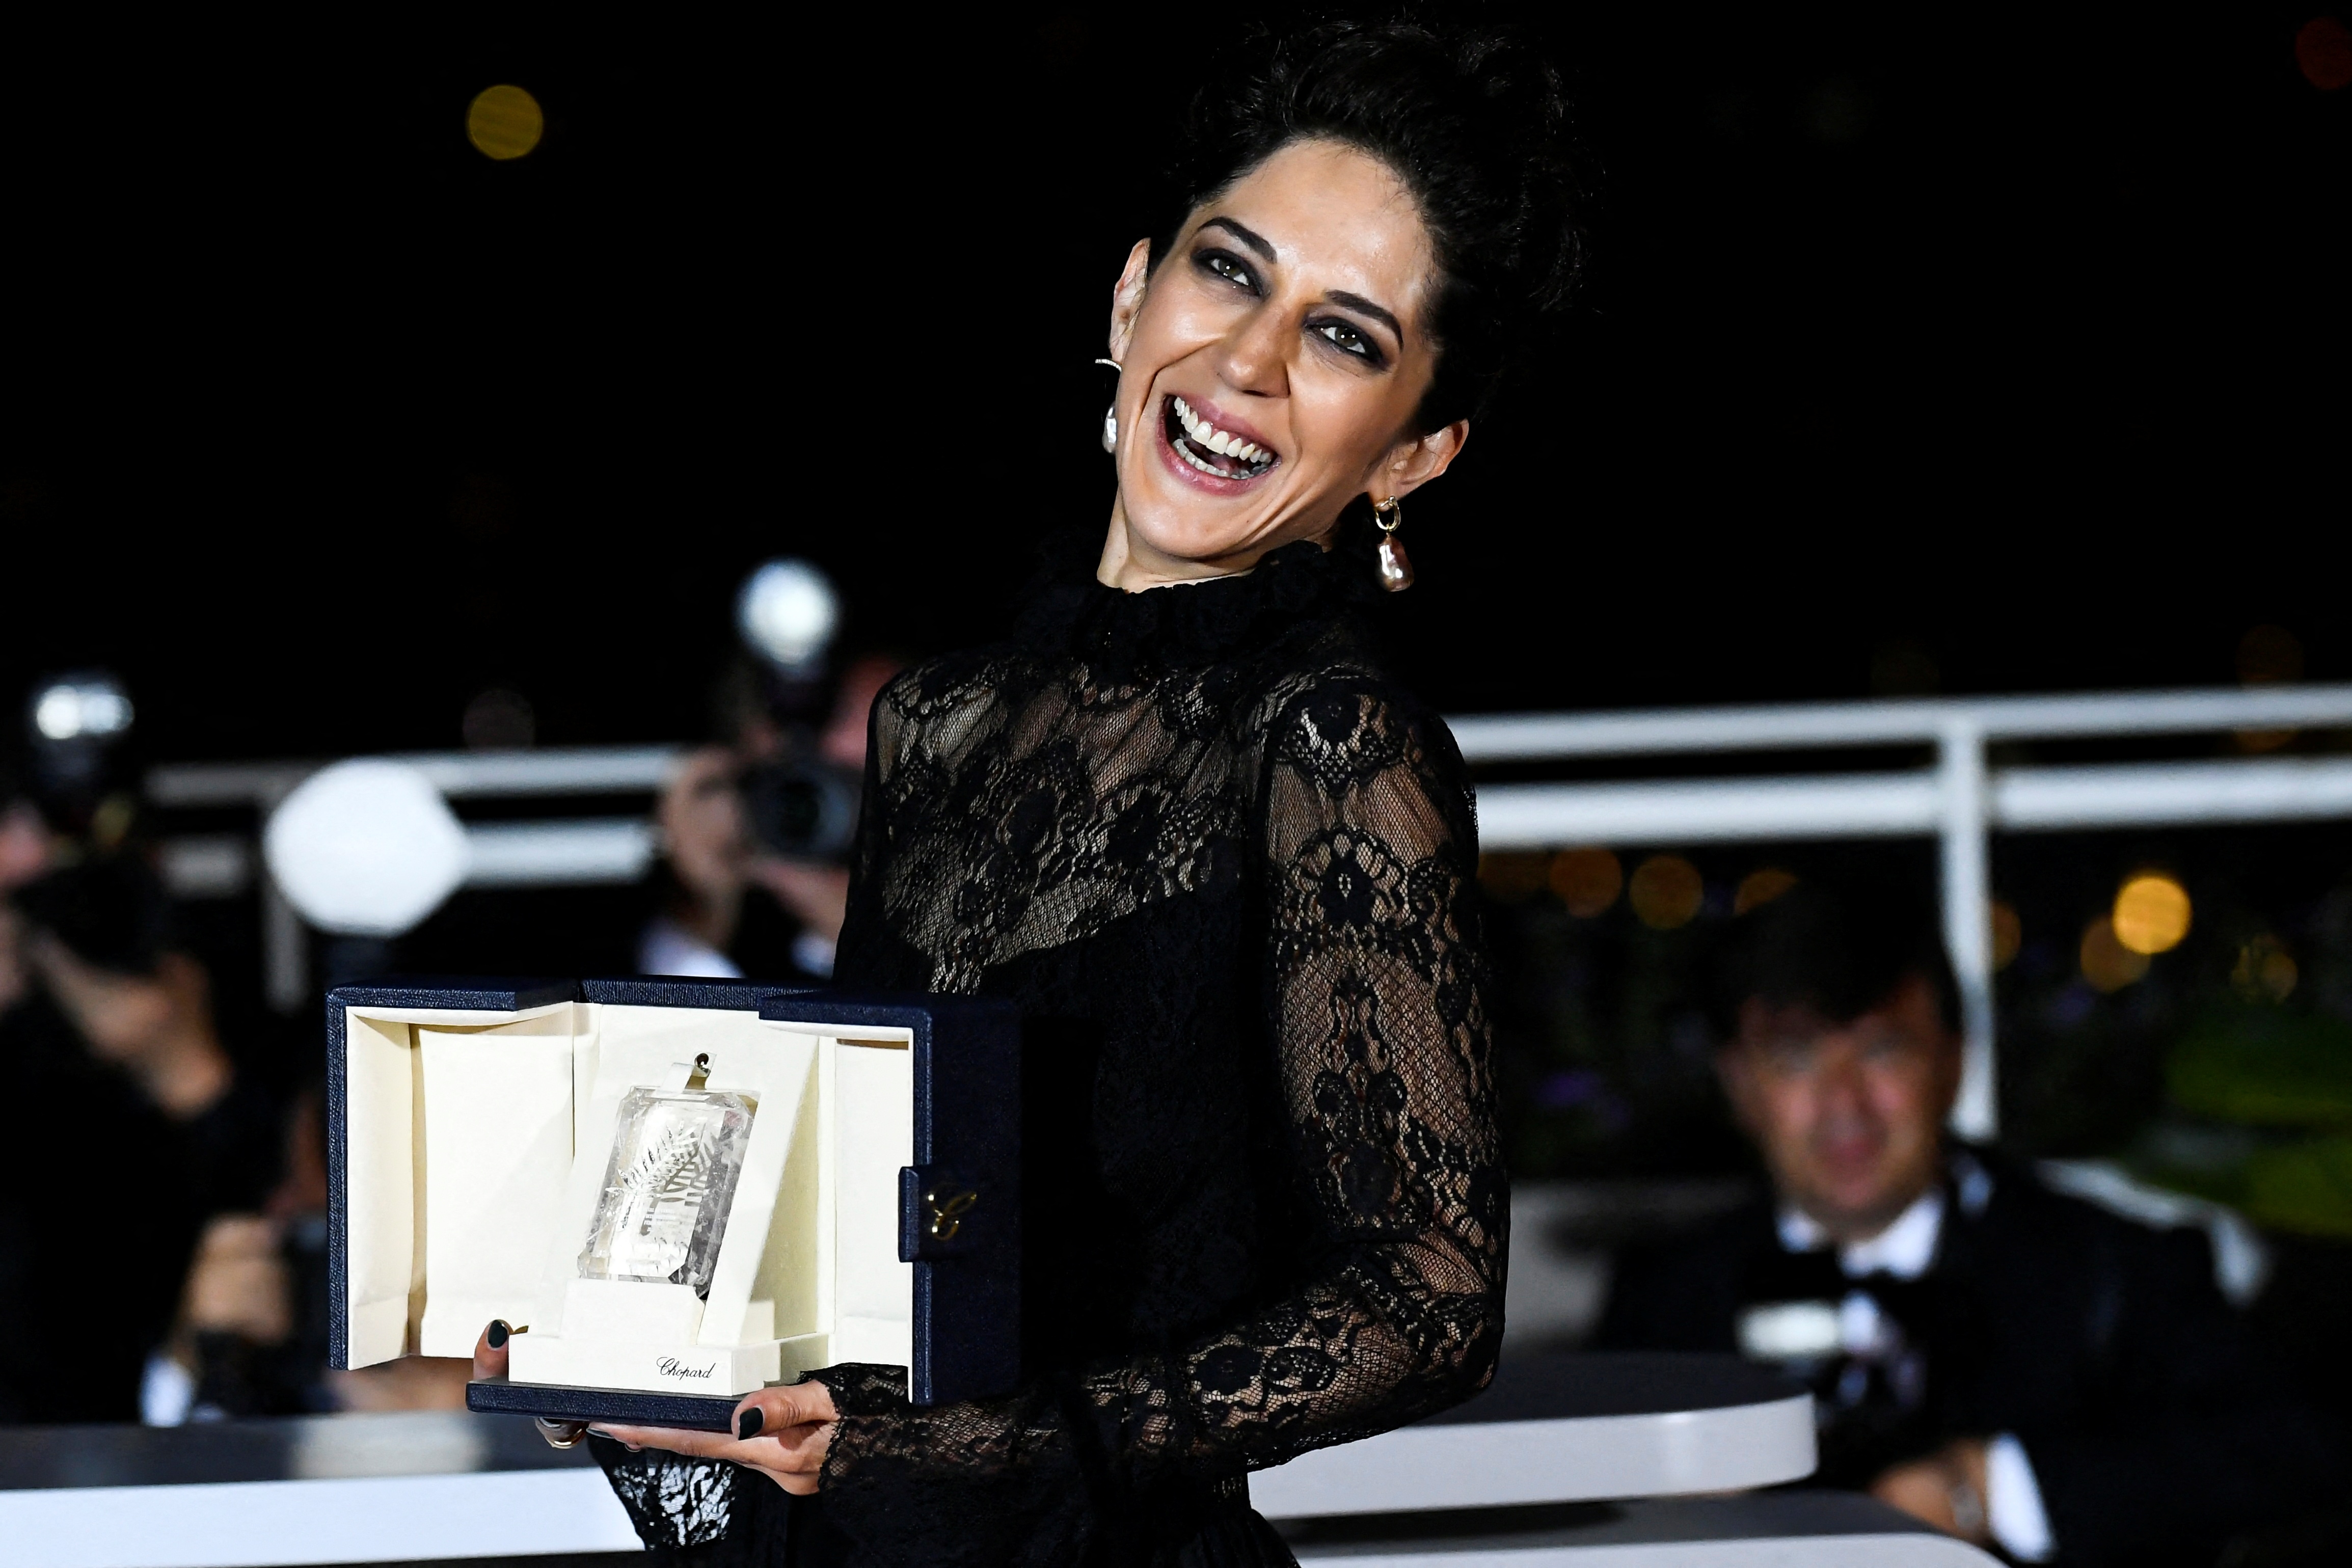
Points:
(803, 808)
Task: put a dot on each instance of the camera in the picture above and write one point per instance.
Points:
(802, 809)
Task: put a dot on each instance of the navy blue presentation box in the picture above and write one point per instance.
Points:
(876, 1219)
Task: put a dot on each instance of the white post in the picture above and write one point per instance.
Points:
(285, 944)
(1968, 918)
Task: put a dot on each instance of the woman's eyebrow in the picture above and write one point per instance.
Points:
(1264, 248)
(1357, 302)
(1248, 236)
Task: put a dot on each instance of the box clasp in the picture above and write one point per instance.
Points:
(936, 1213)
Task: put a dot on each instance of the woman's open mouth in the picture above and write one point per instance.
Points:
(1217, 454)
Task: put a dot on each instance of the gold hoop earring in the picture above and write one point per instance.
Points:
(1396, 566)
(1111, 415)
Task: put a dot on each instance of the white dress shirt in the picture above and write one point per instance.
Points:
(2013, 1511)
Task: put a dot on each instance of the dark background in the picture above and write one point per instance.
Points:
(1931, 351)
(1938, 351)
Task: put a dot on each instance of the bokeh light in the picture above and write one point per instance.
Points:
(1761, 886)
(2323, 52)
(504, 122)
(1665, 891)
(2107, 963)
(788, 612)
(2269, 655)
(2151, 913)
(365, 847)
(1511, 875)
(2265, 971)
(82, 706)
(1587, 881)
(2007, 934)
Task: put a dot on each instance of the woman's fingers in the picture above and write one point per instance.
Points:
(783, 1433)
(772, 1409)
(676, 1439)
(561, 1434)
(491, 1361)
(799, 1448)
(491, 1350)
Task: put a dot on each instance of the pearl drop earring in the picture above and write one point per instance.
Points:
(1111, 415)
(1395, 566)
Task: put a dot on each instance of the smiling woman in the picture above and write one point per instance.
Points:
(1368, 233)
(1221, 861)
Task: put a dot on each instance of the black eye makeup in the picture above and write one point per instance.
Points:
(1224, 264)
(1336, 332)
(1349, 338)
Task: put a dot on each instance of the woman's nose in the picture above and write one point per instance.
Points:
(1252, 360)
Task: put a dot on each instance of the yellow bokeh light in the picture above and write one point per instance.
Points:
(2107, 963)
(1587, 881)
(1665, 891)
(1761, 886)
(504, 122)
(2007, 935)
(2151, 913)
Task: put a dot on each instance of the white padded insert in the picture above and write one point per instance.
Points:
(383, 1267)
(497, 1145)
(873, 1134)
(471, 1137)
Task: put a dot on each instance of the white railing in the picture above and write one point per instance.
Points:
(1959, 800)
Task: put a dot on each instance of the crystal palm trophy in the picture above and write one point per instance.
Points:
(677, 1153)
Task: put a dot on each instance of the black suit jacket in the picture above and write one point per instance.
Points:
(2155, 1430)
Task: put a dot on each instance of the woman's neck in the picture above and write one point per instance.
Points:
(1131, 565)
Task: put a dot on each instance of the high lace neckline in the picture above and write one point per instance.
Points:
(1187, 624)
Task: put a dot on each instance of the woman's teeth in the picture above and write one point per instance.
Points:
(1200, 436)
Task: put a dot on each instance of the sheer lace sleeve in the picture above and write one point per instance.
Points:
(1374, 984)
(1377, 988)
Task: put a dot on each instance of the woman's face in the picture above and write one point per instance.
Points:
(1272, 365)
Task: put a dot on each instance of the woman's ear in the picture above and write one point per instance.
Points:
(1126, 297)
(1412, 463)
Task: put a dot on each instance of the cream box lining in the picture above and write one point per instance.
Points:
(475, 1143)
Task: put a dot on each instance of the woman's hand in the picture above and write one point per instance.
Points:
(782, 1433)
(1947, 1489)
(491, 1361)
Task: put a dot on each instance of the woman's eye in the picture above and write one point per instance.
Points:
(1228, 269)
(1346, 339)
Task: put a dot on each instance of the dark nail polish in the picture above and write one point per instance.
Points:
(748, 1425)
(498, 1332)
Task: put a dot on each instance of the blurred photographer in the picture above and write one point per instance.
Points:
(755, 834)
(96, 1261)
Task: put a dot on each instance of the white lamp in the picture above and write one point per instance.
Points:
(365, 847)
(788, 612)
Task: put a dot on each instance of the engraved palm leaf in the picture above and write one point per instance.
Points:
(673, 1169)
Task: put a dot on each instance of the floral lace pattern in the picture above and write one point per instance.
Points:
(674, 1501)
(1200, 831)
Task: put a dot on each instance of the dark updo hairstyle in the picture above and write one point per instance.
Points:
(1473, 122)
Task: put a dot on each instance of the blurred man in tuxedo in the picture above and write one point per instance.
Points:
(2014, 1366)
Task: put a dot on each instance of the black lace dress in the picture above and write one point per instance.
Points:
(1226, 867)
